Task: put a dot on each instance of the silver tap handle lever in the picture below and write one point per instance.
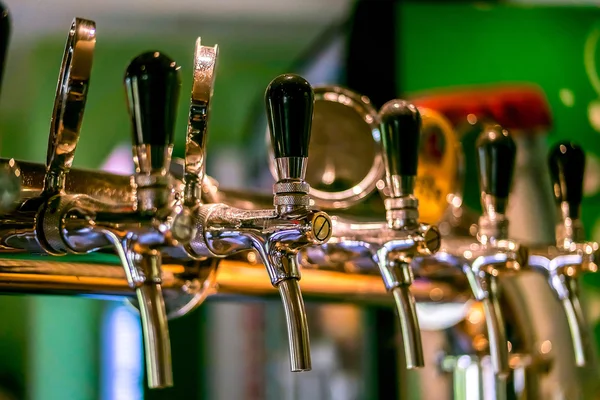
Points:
(69, 103)
(205, 64)
(400, 132)
(152, 84)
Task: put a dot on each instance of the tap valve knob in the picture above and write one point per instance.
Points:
(496, 154)
(400, 133)
(289, 100)
(152, 82)
(567, 166)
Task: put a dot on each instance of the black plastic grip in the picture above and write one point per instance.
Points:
(566, 162)
(4, 37)
(400, 134)
(153, 84)
(290, 99)
(496, 155)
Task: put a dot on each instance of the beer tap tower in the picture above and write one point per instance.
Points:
(158, 217)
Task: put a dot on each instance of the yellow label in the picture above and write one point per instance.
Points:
(437, 173)
(321, 226)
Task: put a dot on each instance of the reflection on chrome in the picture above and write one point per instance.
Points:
(168, 236)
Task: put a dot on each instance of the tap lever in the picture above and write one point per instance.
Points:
(496, 155)
(69, 103)
(566, 162)
(401, 131)
(152, 83)
(289, 100)
(205, 63)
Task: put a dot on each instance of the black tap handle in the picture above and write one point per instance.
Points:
(289, 99)
(153, 83)
(496, 154)
(4, 37)
(566, 162)
(400, 134)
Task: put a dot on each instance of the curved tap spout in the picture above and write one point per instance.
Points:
(157, 343)
(69, 103)
(576, 320)
(297, 325)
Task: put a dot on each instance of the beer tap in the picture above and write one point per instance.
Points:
(572, 256)
(140, 229)
(389, 248)
(277, 234)
(493, 255)
(205, 64)
(401, 130)
(153, 84)
(496, 255)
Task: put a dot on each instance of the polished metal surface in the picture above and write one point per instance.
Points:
(409, 326)
(154, 323)
(168, 238)
(205, 64)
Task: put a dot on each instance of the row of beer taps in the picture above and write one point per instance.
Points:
(157, 218)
